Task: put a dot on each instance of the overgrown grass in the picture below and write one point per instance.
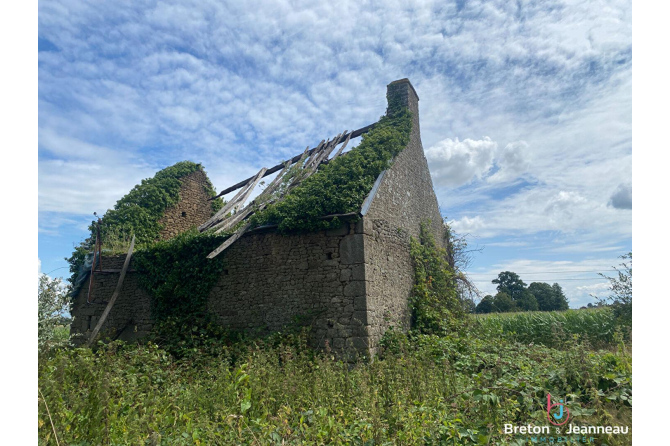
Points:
(423, 389)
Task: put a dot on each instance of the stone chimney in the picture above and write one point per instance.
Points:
(403, 92)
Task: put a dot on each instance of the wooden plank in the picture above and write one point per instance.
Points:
(327, 151)
(346, 141)
(233, 204)
(315, 154)
(250, 189)
(278, 167)
(231, 222)
(224, 210)
(119, 285)
(234, 219)
(229, 242)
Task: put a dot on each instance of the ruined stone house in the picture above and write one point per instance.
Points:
(355, 280)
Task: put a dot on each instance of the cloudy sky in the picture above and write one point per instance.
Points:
(525, 112)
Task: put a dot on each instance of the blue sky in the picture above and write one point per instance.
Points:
(525, 112)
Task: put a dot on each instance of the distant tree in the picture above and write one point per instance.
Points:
(469, 305)
(485, 305)
(560, 301)
(503, 303)
(510, 283)
(544, 294)
(527, 302)
(549, 297)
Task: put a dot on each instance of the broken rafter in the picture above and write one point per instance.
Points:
(230, 221)
(250, 189)
(307, 167)
(224, 210)
(346, 141)
(229, 242)
(234, 203)
(315, 154)
(278, 167)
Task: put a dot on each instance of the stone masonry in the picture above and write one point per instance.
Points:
(349, 284)
(193, 209)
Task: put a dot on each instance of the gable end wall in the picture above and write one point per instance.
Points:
(404, 199)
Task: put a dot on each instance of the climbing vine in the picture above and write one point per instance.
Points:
(340, 187)
(178, 276)
(139, 212)
(434, 300)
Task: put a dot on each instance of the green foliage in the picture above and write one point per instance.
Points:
(434, 300)
(621, 289)
(527, 301)
(510, 283)
(52, 307)
(457, 389)
(340, 187)
(554, 329)
(485, 305)
(503, 303)
(179, 276)
(138, 213)
(549, 297)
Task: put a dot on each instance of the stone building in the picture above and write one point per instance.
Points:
(352, 283)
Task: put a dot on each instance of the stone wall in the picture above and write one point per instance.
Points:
(130, 317)
(193, 208)
(403, 199)
(271, 279)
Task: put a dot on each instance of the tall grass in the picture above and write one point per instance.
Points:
(554, 329)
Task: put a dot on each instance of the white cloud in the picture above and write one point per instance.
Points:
(513, 161)
(455, 163)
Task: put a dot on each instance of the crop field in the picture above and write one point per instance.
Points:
(457, 389)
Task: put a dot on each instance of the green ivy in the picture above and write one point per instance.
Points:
(178, 276)
(141, 209)
(139, 213)
(434, 300)
(340, 187)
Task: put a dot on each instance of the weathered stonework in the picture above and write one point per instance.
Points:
(130, 317)
(350, 284)
(192, 210)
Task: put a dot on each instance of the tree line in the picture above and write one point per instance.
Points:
(514, 295)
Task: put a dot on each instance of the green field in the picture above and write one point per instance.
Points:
(461, 388)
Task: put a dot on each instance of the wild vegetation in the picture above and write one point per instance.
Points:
(423, 389)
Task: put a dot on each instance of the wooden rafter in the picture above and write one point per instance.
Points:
(278, 167)
(308, 163)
